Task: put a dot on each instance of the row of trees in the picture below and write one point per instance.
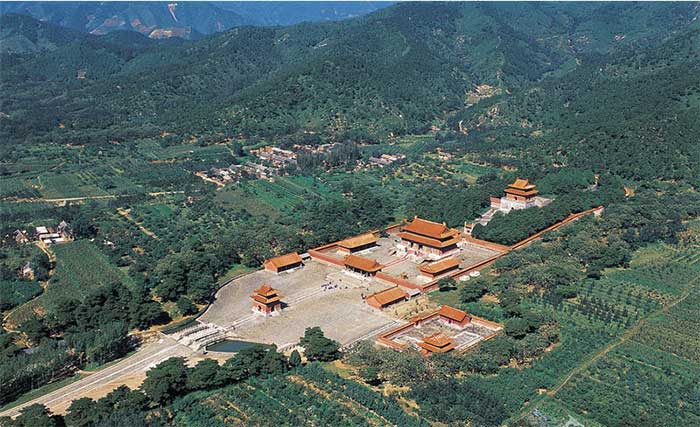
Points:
(172, 379)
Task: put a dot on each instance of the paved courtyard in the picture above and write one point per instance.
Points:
(316, 295)
(408, 267)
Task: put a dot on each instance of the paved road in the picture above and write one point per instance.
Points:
(136, 364)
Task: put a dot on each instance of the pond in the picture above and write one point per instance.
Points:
(230, 346)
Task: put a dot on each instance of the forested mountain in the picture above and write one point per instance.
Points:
(294, 12)
(634, 113)
(396, 71)
(152, 19)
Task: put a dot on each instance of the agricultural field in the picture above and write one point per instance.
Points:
(312, 396)
(80, 184)
(80, 268)
(656, 363)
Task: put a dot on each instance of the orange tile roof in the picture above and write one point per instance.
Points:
(263, 300)
(522, 184)
(518, 192)
(427, 228)
(357, 241)
(437, 343)
(452, 313)
(440, 266)
(364, 264)
(266, 290)
(389, 296)
(285, 260)
(428, 241)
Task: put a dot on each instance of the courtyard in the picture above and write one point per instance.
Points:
(314, 295)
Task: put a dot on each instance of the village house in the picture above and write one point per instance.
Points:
(21, 237)
(385, 159)
(27, 272)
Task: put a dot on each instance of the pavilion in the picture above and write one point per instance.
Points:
(519, 195)
(266, 300)
(436, 343)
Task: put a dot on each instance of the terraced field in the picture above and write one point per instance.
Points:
(657, 363)
(312, 396)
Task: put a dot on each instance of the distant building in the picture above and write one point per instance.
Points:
(433, 240)
(385, 159)
(436, 343)
(21, 237)
(27, 272)
(519, 195)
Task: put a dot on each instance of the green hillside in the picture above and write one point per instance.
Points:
(395, 71)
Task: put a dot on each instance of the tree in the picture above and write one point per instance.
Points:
(36, 416)
(473, 290)
(517, 327)
(166, 381)
(204, 375)
(446, 283)
(318, 347)
(370, 375)
(295, 359)
(186, 306)
(82, 413)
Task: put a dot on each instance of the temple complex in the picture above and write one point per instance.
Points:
(440, 331)
(282, 263)
(429, 239)
(437, 269)
(358, 243)
(266, 300)
(363, 266)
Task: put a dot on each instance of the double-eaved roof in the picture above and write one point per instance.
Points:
(437, 343)
(522, 187)
(427, 228)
